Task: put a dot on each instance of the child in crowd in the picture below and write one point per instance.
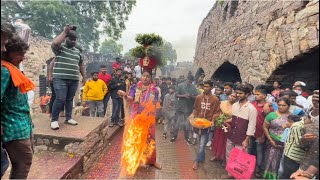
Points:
(169, 112)
(292, 154)
(78, 111)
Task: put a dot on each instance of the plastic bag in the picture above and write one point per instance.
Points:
(240, 164)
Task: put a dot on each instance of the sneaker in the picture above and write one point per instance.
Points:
(72, 122)
(188, 141)
(54, 125)
(209, 143)
(111, 124)
(172, 140)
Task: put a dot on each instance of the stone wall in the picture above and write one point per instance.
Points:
(181, 69)
(39, 52)
(256, 36)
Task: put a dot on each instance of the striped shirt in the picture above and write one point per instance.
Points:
(67, 62)
(292, 146)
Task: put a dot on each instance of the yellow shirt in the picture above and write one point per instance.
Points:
(94, 90)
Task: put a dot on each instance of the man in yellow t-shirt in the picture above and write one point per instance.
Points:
(93, 94)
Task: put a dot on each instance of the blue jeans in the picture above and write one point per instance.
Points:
(116, 107)
(202, 147)
(4, 161)
(184, 122)
(96, 108)
(287, 167)
(105, 103)
(258, 150)
(65, 90)
(260, 156)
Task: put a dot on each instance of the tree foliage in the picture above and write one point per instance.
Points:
(128, 55)
(109, 46)
(169, 54)
(47, 18)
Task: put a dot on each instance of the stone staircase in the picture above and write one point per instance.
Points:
(69, 152)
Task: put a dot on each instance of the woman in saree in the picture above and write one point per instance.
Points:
(220, 137)
(273, 127)
(139, 95)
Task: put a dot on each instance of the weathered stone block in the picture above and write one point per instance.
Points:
(290, 18)
(40, 142)
(271, 38)
(55, 141)
(308, 11)
(313, 20)
(41, 148)
(304, 45)
(295, 42)
(46, 141)
(302, 32)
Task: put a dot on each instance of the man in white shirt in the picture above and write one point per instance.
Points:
(137, 69)
(300, 99)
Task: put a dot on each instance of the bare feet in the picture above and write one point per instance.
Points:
(195, 166)
(157, 165)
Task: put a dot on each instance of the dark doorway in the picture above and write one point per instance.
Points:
(227, 72)
(303, 68)
(198, 74)
(42, 85)
(95, 66)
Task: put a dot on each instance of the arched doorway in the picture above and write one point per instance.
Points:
(303, 68)
(227, 72)
(198, 74)
(95, 66)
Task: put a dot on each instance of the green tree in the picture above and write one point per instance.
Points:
(109, 46)
(128, 55)
(169, 54)
(47, 18)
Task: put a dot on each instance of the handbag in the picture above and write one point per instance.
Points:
(240, 164)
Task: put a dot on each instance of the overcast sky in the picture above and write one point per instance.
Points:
(177, 21)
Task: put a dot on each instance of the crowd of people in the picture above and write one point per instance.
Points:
(279, 126)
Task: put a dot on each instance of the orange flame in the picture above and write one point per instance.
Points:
(137, 146)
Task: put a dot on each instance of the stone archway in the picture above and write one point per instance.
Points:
(303, 68)
(227, 72)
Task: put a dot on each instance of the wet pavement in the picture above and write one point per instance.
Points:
(176, 160)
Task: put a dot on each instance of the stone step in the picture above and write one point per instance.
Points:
(69, 152)
(52, 165)
(57, 140)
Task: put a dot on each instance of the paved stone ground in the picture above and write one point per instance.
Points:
(176, 160)
(109, 167)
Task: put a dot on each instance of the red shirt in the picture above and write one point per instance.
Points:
(305, 94)
(105, 77)
(260, 118)
(116, 65)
